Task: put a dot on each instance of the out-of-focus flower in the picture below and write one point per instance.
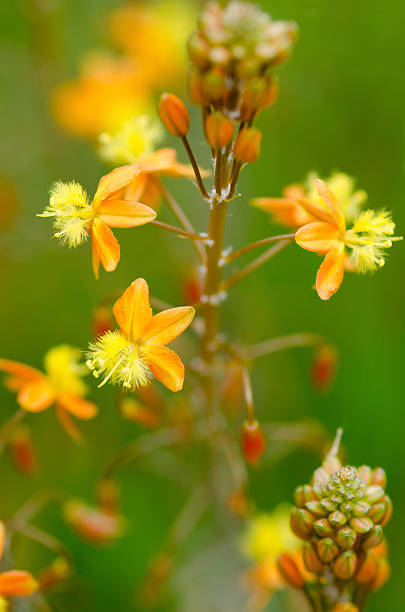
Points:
(324, 366)
(92, 523)
(253, 442)
(138, 136)
(134, 411)
(14, 583)
(22, 451)
(108, 92)
(129, 357)
(75, 218)
(61, 385)
(9, 203)
(57, 571)
(102, 320)
(161, 32)
(267, 536)
(290, 210)
(370, 235)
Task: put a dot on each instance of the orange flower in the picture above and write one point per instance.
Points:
(61, 385)
(15, 583)
(137, 351)
(287, 210)
(75, 218)
(91, 523)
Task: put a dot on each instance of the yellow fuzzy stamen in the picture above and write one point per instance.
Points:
(72, 212)
(116, 358)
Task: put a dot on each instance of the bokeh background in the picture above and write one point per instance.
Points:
(340, 107)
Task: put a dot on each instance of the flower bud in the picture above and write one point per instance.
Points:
(289, 571)
(17, 583)
(316, 508)
(367, 568)
(365, 472)
(302, 523)
(214, 86)
(195, 88)
(92, 524)
(327, 550)
(198, 50)
(239, 504)
(310, 558)
(131, 410)
(324, 366)
(337, 519)
(219, 130)
(323, 528)
(361, 508)
(388, 512)
(22, 450)
(377, 512)
(345, 565)
(257, 95)
(253, 442)
(247, 146)
(328, 504)
(345, 607)
(174, 115)
(54, 573)
(331, 464)
(382, 574)
(361, 524)
(109, 496)
(346, 538)
(373, 538)
(379, 477)
(373, 493)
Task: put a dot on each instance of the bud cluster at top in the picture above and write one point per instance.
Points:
(233, 53)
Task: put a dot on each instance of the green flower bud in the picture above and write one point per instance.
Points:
(345, 565)
(337, 519)
(377, 512)
(388, 512)
(373, 538)
(309, 493)
(346, 507)
(379, 477)
(365, 472)
(346, 538)
(316, 508)
(323, 528)
(299, 497)
(361, 524)
(327, 550)
(346, 484)
(373, 493)
(328, 504)
(302, 523)
(361, 508)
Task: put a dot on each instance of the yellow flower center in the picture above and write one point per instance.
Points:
(137, 137)
(115, 357)
(64, 370)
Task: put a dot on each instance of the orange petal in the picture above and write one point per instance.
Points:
(114, 181)
(136, 187)
(332, 203)
(316, 211)
(167, 325)
(77, 406)
(285, 211)
(2, 538)
(17, 584)
(68, 424)
(318, 236)
(132, 310)
(20, 370)
(166, 366)
(36, 396)
(330, 274)
(185, 171)
(95, 259)
(106, 245)
(121, 213)
(158, 161)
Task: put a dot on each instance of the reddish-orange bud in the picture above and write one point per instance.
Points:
(92, 524)
(16, 583)
(54, 573)
(324, 367)
(253, 442)
(174, 115)
(192, 287)
(22, 450)
(289, 571)
(219, 130)
(102, 322)
(247, 146)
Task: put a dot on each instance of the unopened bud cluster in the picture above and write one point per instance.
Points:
(341, 515)
(233, 54)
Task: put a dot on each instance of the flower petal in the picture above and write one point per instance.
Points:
(158, 161)
(330, 274)
(167, 325)
(16, 583)
(318, 236)
(20, 370)
(113, 181)
(316, 211)
(69, 425)
(332, 203)
(166, 366)
(36, 396)
(121, 213)
(286, 212)
(95, 259)
(80, 408)
(132, 310)
(106, 244)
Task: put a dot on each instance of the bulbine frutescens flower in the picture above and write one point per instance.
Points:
(75, 217)
(130, 356)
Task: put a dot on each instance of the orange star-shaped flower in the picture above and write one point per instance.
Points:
(15, 583)
(325, 236)
(61, 385)
(138, 350)
(75, 218)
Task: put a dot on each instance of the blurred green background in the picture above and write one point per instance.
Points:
(340, 107)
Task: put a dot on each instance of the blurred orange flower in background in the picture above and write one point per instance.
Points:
(14, 583)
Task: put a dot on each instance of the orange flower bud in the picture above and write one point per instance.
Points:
(289, 571)
(247, 146)
(239, 504)
(379, 477)
(345, 565)
(192, 288)
(16, 583)
(198, 50)
(109, 496)
(382, 574)
(195, 88)
(102, 321)
(92, 524)
(324, 367)
(388, 513)
(22, 450)
(54, 573)
(253, 442)
(367, 568)
(214, 85)
(174, 114)
(257, 95)
(302, 523)
(311, 559)
(219, 130)
(327, 549)
(132, 410)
